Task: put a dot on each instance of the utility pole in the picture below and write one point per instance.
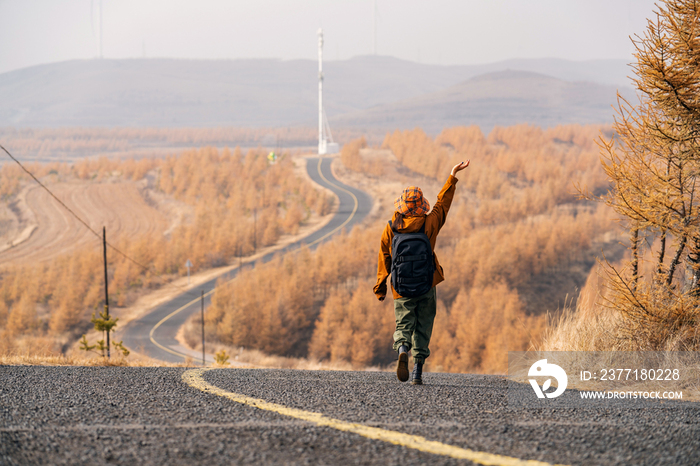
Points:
(104, 251)
(203, 362)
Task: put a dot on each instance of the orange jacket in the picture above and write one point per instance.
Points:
(433, 223)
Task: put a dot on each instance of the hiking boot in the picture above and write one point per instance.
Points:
(402, 366)
(417, 374)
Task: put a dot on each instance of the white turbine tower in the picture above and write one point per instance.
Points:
(325, 138)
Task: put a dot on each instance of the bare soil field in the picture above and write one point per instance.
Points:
(34, 227)
(44, 229)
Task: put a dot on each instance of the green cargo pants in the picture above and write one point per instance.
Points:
(414, 323)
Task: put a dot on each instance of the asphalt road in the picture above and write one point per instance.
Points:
(154, 333)
(122, 415)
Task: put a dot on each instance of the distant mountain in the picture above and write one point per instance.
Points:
(256, 93)
(502, 98)
(158, 93)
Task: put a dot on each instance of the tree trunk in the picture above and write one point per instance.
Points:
(694, 259)
(676, 260)
(635, 257)
(662, 254)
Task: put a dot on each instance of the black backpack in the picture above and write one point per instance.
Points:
(412, 263)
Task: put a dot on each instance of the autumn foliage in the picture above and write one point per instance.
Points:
(296, 305)
(237, 202)
(653, 299)
(516, 216)
(351, 156)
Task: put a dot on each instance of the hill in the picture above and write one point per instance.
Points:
(251, 93)
(501, 98)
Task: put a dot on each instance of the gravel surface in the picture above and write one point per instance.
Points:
(98, 415)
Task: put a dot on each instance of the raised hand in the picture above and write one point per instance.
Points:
(459, 167)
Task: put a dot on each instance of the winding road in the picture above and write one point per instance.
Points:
(154, 334)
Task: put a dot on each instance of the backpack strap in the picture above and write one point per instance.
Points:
(415, 280)
(420, 257)
(392, 227)
(422, 227)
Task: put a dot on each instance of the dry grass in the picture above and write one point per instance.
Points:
(586, 327)
(239, 358)
(13, 359)
(45, 351)
(595, 324)
(590, 328)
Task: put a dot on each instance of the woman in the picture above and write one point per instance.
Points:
(414, 314)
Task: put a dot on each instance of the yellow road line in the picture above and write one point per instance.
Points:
(164, 348)
(352, 214)
(194, 379)
(164, 319)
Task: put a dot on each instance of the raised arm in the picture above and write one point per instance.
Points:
(444, 200)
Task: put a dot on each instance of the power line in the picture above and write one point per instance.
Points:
(52, 194)
(114, 248)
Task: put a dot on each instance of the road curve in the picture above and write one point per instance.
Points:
(154, 333)
(173, 416)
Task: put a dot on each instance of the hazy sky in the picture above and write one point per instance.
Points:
(440, 31)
